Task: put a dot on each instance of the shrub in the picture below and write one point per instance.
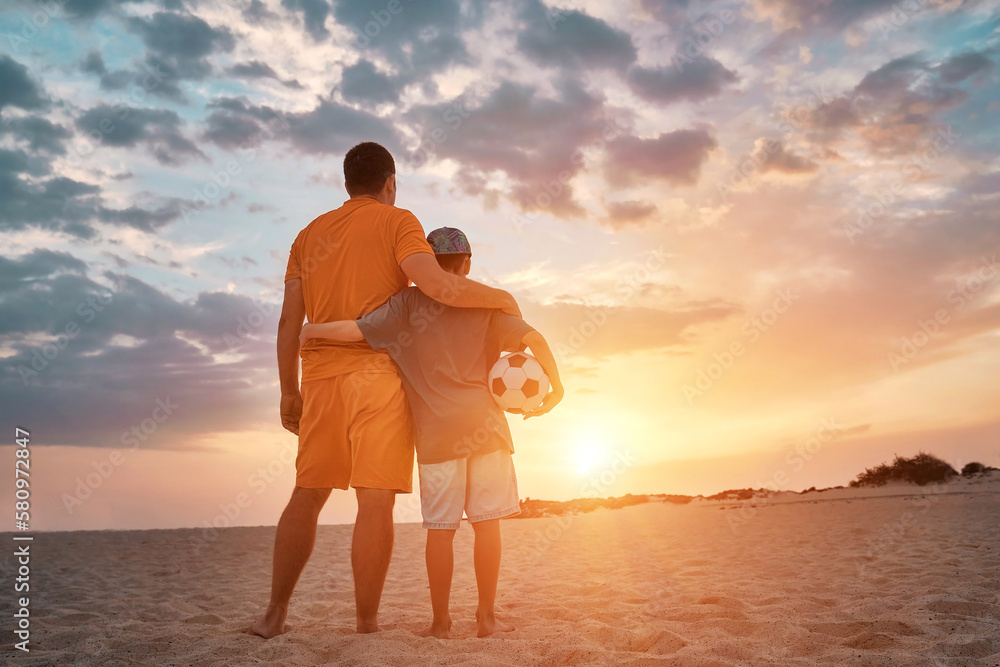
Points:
(973, 468)
(921, 469)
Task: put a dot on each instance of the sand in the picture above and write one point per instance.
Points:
(902, 576)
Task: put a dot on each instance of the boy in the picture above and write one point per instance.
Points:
(463, 443)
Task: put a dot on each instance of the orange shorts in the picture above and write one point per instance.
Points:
(356, 430)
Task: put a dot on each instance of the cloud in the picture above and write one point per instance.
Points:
(780, 159)
(961, 67)
(186, 40)
(329, 128)
(229, 130)
(620, 330)
(40, 134)
(571, 39)
(58, 204)
(697, 80)
(40, 263)
(314, 15)
(626, 213)
(669, 12)
(256, 69)
(87, 9)
(178, 47)
(125, 127)
(535, 140)
(17, 88)
(334, 128)
(423, 38)
(143, 219)
(257, 12)
(675, 157)
(798, 18)
(362, 82)
(893, 107)
(87, 391)
(64, 205)
(93, 63)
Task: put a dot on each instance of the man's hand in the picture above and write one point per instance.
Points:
(291, 412)
(550, 401)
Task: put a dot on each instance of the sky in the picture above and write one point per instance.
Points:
(762, 237)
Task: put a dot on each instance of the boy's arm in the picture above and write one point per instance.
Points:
(343, 331)
(543, 353)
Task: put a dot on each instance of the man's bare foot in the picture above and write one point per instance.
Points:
(272, 623)
(490, 625)
(439, 629)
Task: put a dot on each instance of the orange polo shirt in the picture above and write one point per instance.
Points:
(348, 260)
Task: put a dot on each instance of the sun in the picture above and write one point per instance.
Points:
(589, 455)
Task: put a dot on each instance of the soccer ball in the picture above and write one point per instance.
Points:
(518, 383)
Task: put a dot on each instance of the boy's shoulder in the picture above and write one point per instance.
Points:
(409, 300)
(408, 296)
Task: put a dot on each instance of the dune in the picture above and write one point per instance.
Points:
(897, 575)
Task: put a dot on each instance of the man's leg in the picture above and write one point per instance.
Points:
(293, 543)
(487, 561)
(370, 553)
(440, 555)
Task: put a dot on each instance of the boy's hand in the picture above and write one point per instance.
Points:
(306, 333)
(550, 401)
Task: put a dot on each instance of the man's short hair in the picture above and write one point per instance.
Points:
(452, 262)
(367, 166)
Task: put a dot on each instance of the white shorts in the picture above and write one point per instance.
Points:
(484, 486)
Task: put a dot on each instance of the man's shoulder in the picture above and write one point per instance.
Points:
(396, 214)
(315, 222)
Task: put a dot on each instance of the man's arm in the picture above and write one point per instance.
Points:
(342, 331)
(542, 352)
(452, 290)
(293, 312)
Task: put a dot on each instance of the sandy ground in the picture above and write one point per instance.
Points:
(901, 576)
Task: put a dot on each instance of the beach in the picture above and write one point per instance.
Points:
(900, 575)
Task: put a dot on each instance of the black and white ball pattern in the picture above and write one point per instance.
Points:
(518, 383)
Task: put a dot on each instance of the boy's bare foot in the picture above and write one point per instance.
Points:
(490, 625)
(251, 630)
(439, 629)
(272, 623)
(367, 628)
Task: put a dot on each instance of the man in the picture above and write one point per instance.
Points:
(351, 416)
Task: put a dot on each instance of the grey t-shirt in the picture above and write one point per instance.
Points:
(444, 356)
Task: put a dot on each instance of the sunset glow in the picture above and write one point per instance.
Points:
(742, 227)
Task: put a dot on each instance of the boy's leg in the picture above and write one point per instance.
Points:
(440, 555)
(442, 497)
(487, 560)
(492, 496)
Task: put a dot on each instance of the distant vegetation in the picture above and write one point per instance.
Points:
(974, 468)
(921, 469)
